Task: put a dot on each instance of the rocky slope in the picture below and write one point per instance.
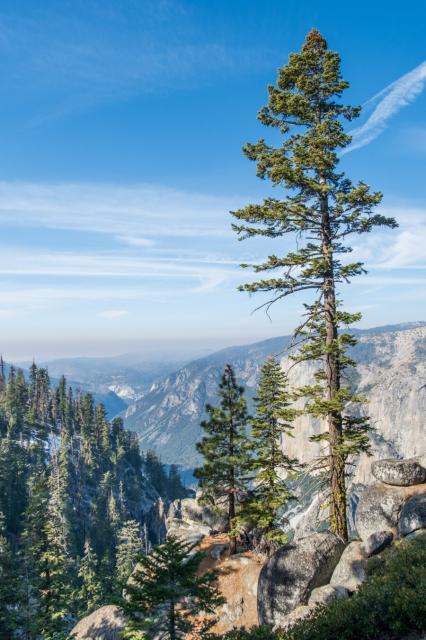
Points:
(302, 574)
(391, 373)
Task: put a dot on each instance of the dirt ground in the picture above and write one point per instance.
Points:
(237, 580)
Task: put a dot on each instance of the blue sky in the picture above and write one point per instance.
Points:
(121, 127)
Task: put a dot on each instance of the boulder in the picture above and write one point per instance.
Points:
(413, 515)
(188, 513)
(326, 594)
(289, 576)
(376, 542)
(301, 612)
(350, 571)
(402, 473)
(191, 533)
(378, 509)
(105, 623)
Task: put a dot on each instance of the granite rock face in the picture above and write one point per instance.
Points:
(289, 576)
(391, 373)
(402, 473)
(378, 509)
(105, 623)
(413, 515)
(350, 571)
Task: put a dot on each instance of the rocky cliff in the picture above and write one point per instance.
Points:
(391, 373)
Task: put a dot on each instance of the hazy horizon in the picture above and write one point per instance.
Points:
(167, 350)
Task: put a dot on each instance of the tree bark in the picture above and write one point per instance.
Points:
(231, 502)
(172, 621)
(231, 516)
(332, 371)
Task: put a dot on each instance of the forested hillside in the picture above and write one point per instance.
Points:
(75, 494)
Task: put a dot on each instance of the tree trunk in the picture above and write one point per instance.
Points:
(231, 516)
(172, 621)
(332, 371)
(231, 501)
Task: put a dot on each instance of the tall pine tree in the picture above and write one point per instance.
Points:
(322, 209)
(223, 475)
(271, 424)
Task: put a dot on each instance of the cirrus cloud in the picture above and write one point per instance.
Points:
(389, 101)
(112, 314)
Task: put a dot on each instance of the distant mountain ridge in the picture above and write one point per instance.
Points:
(391, 372)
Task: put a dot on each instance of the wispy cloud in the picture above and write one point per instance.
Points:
(112, 314)
(388, 102)
(133, 213)
(404, 248)
(202, 273)
(136, 242)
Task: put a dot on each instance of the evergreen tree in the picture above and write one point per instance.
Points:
(272, 422)
(58, 597)
(156, 472)
(224, 448)
(323, 208)
(13, 481)
(34, 549)
(175, 488)
(166, 593)
(10, 587)
(90, 593)
(129, 548)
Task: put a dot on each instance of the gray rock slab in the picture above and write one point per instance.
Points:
(293, 571)
(350, 570)
(413, 515)
(402, 473)
(105, 623)
(378, 509)
(326, 594)
(376, 542)
(295, 616)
